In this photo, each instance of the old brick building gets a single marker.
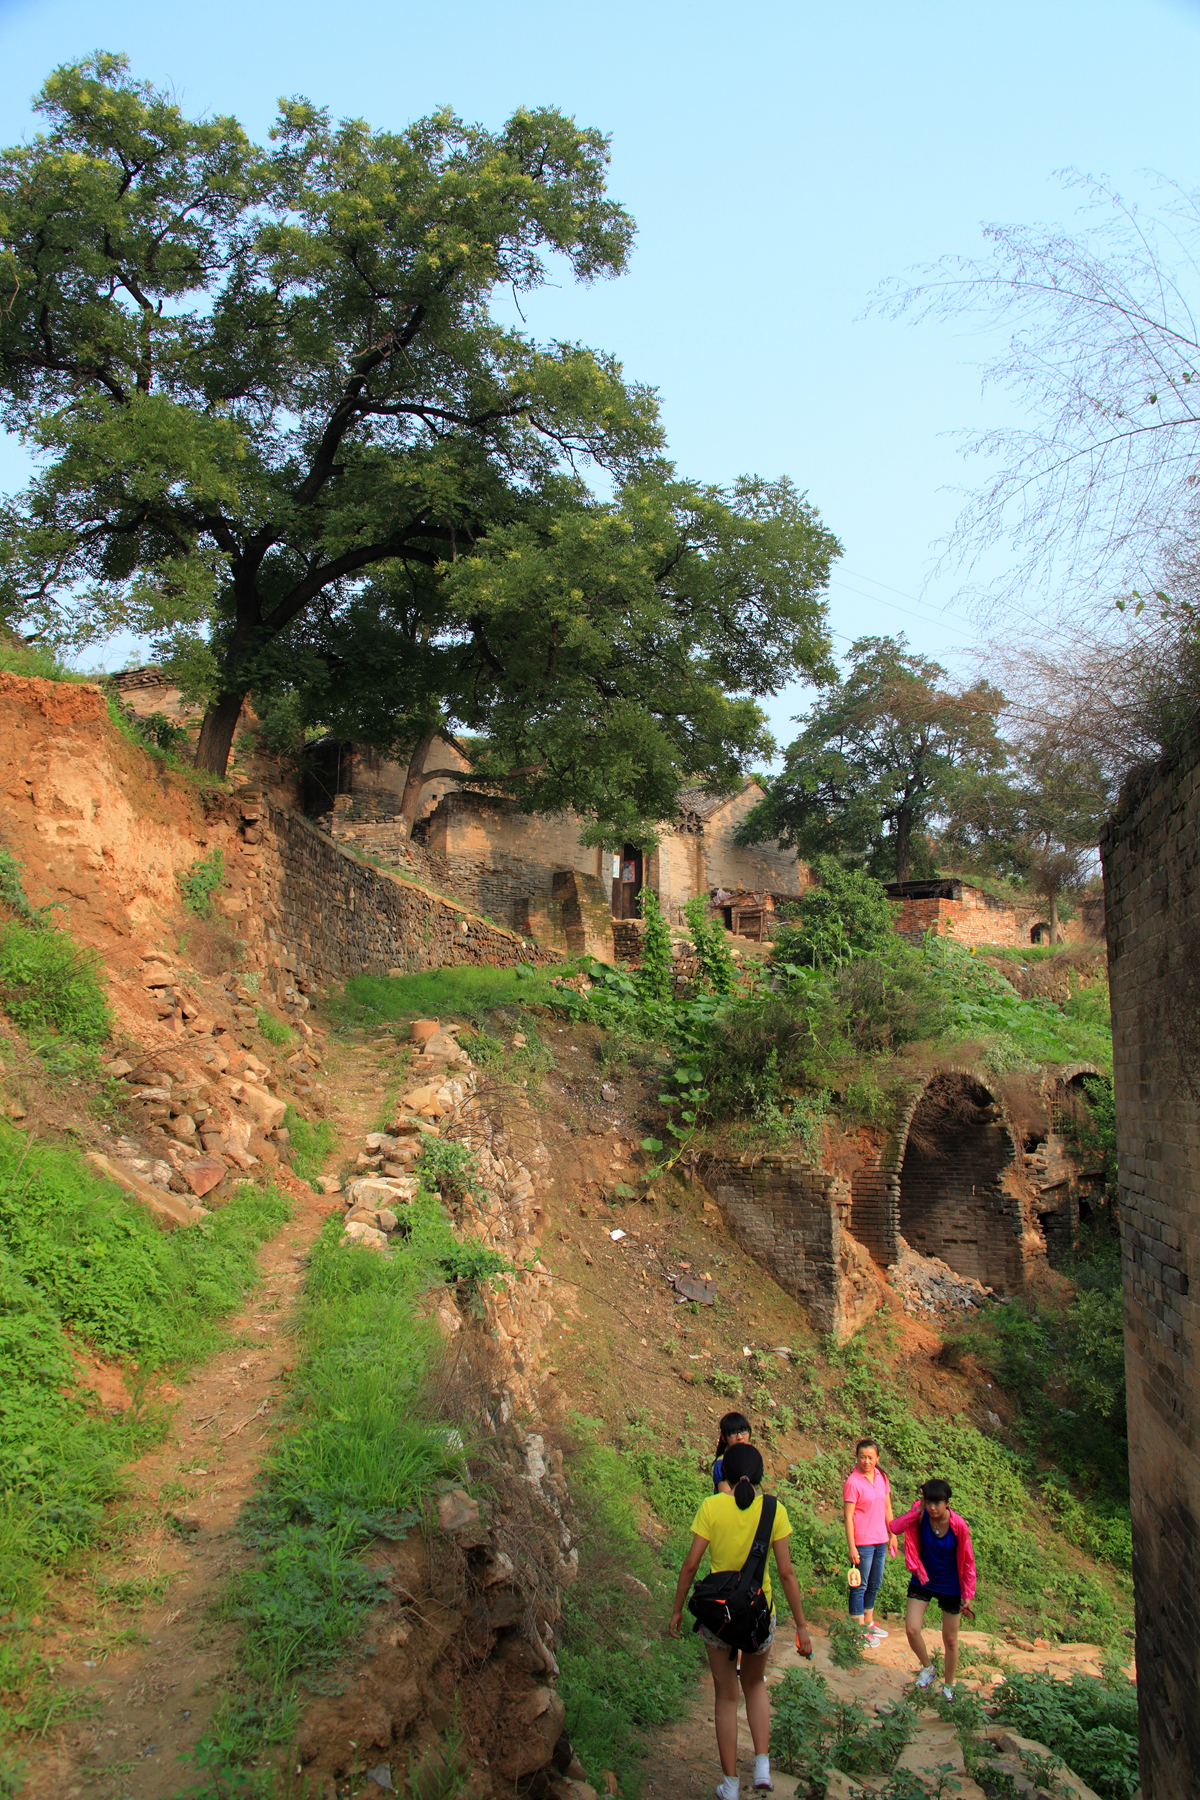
(1151, 860)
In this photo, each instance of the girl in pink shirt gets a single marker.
(867, 1508)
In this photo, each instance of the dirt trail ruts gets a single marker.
(137, 1642)
(683, 1765)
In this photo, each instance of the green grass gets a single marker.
(464, 990)
(621, 1677)
(363, 1455)
(311, 1141)
(17, 658)
(276, 1031)
(198, 883)
(51, 988)
(81, 1263)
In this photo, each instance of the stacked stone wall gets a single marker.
(1151, 856)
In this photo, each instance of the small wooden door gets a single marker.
(627, 882)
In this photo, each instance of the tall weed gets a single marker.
(49, 986)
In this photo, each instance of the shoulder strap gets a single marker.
(755, 1564)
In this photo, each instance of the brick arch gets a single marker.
(978, 1233)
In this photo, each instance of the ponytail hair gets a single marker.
(742, 1468)
(732, 1425)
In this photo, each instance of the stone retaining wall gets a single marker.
(1151, 856)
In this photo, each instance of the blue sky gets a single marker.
(781, 160)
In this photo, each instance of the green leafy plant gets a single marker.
(845, 1642)
(12, 891)
(846, 914)
(716, 966)
(812, 1731)
(447, 1168)
(653, 978)
(1089, 1721)
(198, 883)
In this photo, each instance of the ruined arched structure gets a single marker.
(950, 1180)
(952, 1198)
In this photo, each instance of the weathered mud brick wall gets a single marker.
(344, 917)
(789, 1216)
(1151, 856)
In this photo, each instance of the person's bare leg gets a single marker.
(914, 1619)
(758, 1703)
(725, 1687)
(950, 1644)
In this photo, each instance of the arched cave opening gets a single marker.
(952, 1204)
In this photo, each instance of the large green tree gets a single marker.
(281, 429)
(881, 751)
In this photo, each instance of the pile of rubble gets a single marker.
(208, 1107)
(928, 1285)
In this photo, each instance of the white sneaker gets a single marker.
(877, 1634)
(947, 1692)
(925, 1678)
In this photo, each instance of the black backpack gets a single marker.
(732, 1604)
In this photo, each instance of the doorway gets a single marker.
(627, 882)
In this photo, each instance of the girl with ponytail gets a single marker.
(726, 1526)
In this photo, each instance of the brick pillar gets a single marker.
(1151, 856)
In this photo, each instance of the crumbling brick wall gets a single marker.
(1151, 856)
(789, 1216)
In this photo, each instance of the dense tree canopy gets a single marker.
(282, 431)
(880, 753)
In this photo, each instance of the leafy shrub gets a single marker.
(1089, 1721)
(12, 891)
(197, 885)
(845, 1642)
(17, 658)
(49, 985)
(446, 1167)
(811, 1731)
(848, 914)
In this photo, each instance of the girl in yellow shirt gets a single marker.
(725, 1526)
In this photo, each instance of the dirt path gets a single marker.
(136, 1636)
(683, 1760)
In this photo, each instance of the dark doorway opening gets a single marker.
(951, 1202)
(627, 882)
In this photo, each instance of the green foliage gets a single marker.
(36, 660)
(12, 891)
(446, 1167)
(432, 532)
(811, 1731)
(1090, 1125)
(199, 883)
(881, 752)
(716, 967)
(311, 1141)
(845, 1642)
(49, 986)
(847, 914)
(1090, 1722)
(461, 991)
(80, 1261)
(653, 978)
(276, 1031)
(1066, 1368)
(621, 1677)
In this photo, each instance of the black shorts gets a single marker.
(949, 1603)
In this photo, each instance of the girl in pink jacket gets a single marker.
(941, 1565)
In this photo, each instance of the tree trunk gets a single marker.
(903, 843)
(414, 781)
(1054, 918)
(216, 733)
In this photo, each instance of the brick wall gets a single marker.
(790, 1217)
(312, 911)
(952, 1200)
(966, 921)
(1151, 856)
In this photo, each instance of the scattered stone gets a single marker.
(927, 1284)
(15, 1110)
(421, 1030)
(204, 1175)
(182, 1126)
(359, 1232)
(118, 1067)
(329, 1184)
(608, 1093)
(457, 1511)
(157, 977)
(387, 1220)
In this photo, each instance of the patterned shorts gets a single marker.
(710, 1637)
